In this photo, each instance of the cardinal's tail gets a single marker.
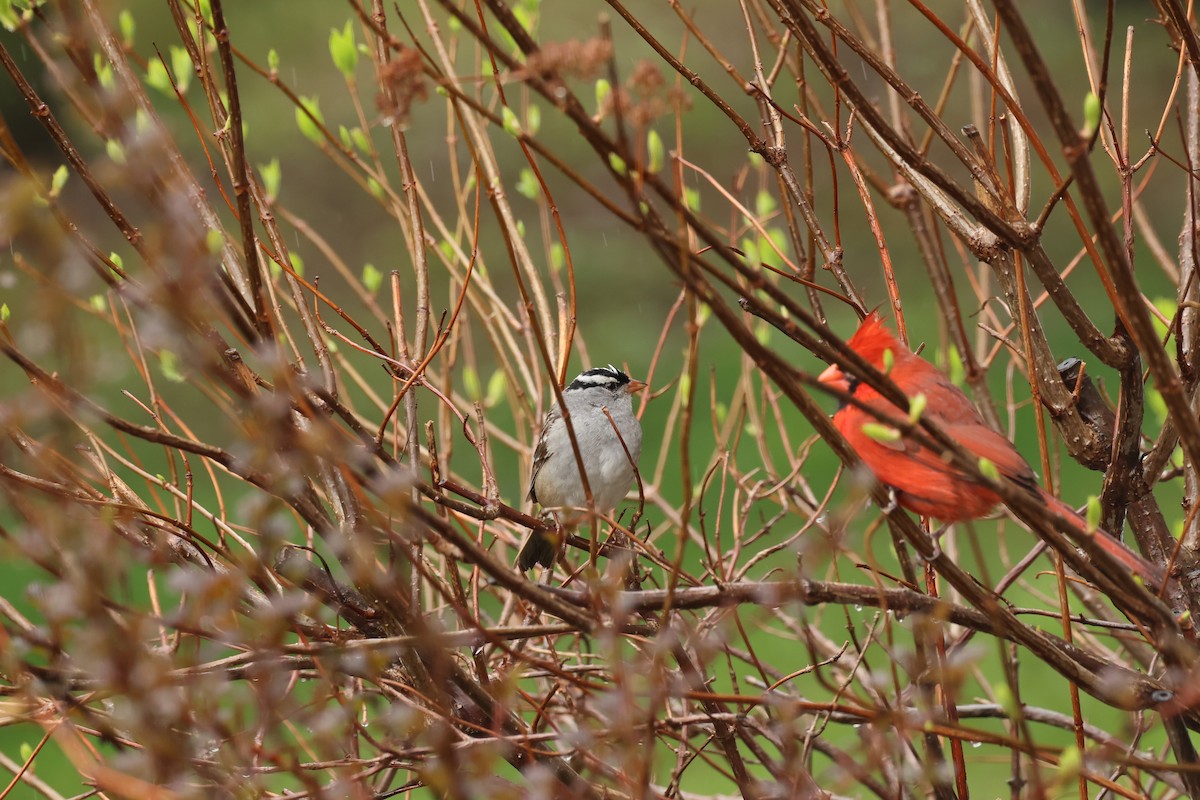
(1151, 574)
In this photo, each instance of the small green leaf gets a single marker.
(558, 257)
(471, 385)
(273, 61)
(889, 361)
(526, 17)
(533, 120)
(1006, 700)
(372, 278)
(104, 71)
(343, 50)
(344, 135)
(764, 204)
(116, 259)
(955, 368)
(881, 433)
(654, 152)
(1070, 763)
(310, 128)
(755, 159)
(157, 77)
(8, 16)
(361, 141)
(691, 199)
(375, 188)
(512, 125)
(271, 174)
(5, 312)
(988, 469)
(750, 248)
(916, 407)
(617, 163)
(297, 264)
(115, 151)
(603, 90)
(26, 751)
(495, 389)
(1091, 113)
(141, 121)
(762, 333)
(1093, 513)
(59, 180)
(168, 364)
(527, 185)
(99, 303)
(127, 25)
(181, 65)
(779, 239)
(214, 241)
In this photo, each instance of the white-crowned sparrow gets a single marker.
(555, 482)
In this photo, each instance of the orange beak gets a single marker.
(834, 378)
(633, 387)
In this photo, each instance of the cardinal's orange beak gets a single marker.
(633, 387)
(834, 378)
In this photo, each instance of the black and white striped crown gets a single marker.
(608, 377)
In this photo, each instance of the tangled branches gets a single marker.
(262, 496)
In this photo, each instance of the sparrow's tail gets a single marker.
(541, 547)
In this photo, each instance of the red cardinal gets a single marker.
(923, 480)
